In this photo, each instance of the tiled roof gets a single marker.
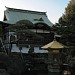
(26, 11)
(13, 15)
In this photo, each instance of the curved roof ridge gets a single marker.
(23, 10)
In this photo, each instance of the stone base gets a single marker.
(53, 68)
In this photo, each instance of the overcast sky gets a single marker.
(54, 8)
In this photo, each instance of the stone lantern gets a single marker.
(54, 54)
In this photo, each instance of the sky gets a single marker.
(54, 8)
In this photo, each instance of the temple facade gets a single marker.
(25, 28)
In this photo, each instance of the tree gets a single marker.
(0, 30)
(22, 29)
(21, 25)
(66, 24)
(16, 65)
(69, 15)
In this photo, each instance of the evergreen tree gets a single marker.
(0, 30)
(66, 24)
